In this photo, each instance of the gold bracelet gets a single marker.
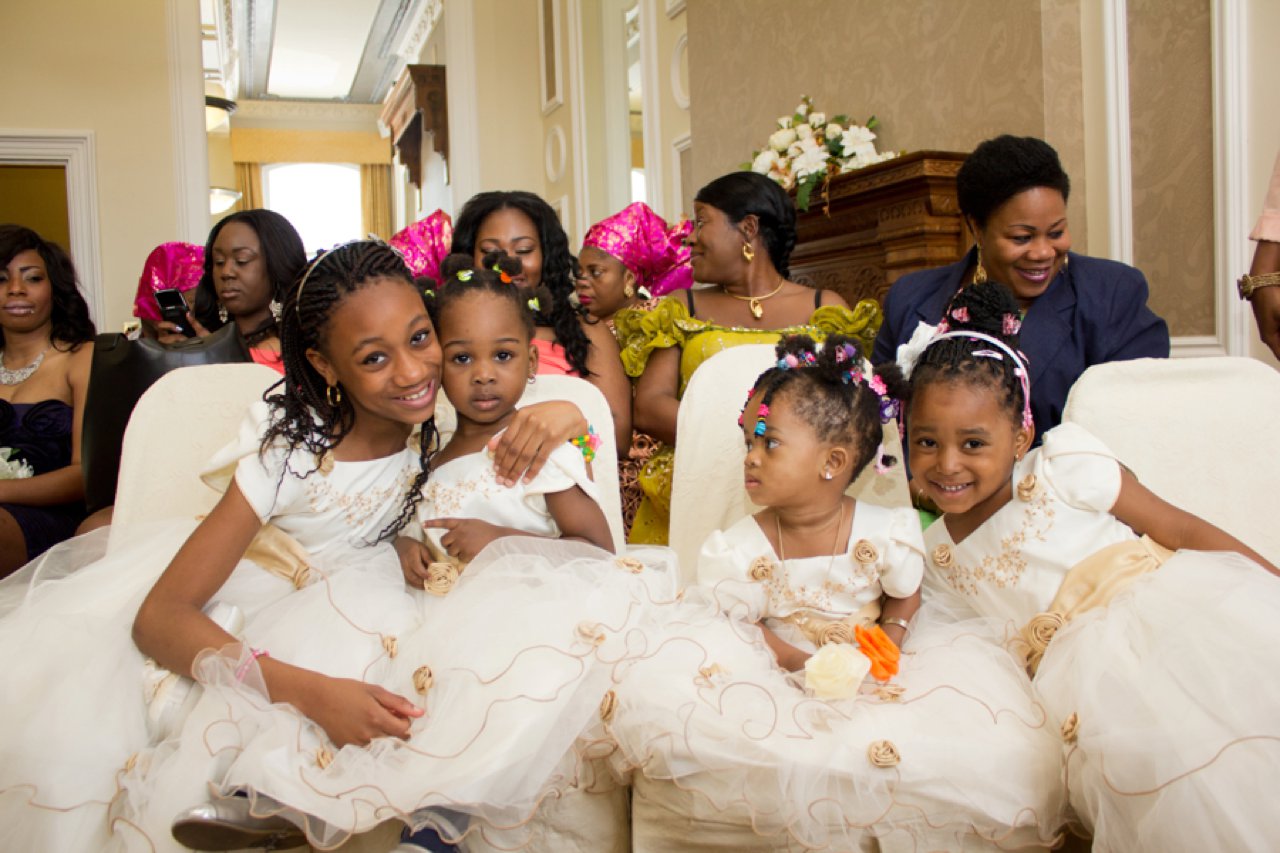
(894, 620)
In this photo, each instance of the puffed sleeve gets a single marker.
(726, 565)
(640, 332)
(260, 476)
(1268, 227)
(1079, 468)
(565, 468)
(1133, 329)
(902, 564)
(861, 322)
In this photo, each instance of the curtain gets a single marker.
(249, 183)
(375, 199)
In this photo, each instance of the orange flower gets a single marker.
(882, 652)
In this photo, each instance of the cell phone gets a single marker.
(173, 308)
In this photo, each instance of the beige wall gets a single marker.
(507, 96)
(673, 119)
(1171, 128)
(103, 67)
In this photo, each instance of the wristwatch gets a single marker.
(1249, 283)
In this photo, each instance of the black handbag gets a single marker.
(122, 370)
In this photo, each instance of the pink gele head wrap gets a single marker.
(425, 244)
(170, 266)
(656, 255)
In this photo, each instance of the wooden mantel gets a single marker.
(418, 104)
(881, 223)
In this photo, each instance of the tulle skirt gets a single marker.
(954, 751)
(511, 666)
(1169, 709)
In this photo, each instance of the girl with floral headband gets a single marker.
(327, 704)
(1140, 670)
(802, 701)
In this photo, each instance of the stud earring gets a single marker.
(532, 379)
(222, 313)
(826, 475)
(748, 253)
(333, 395)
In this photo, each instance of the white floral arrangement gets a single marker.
(808, 149)
(836, 671)
(13, 469)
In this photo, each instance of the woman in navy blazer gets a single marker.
(1077, 311)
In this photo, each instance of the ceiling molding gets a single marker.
(424, 20)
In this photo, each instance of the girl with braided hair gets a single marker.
(1058, 547)
(805, 703)
(318, 671)
(524, 226)
(744, 229)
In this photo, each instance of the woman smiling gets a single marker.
(1077, 311)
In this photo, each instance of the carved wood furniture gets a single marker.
(877, 224)
(418, 104)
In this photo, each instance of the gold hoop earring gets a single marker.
(979, 271)
(748, 252)
(333, 395)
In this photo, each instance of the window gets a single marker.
(322, 200)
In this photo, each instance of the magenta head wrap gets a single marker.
(425, 244)
(170, 266)
(640, 238)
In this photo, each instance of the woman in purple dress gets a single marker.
(45, 354)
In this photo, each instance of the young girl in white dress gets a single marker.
(546, 533)
(1158, 681)
(767, 716)
(337, 707)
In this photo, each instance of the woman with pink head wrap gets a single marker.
(170, 266)
(424, 244)
(633, 255)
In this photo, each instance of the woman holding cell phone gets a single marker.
(250, 259)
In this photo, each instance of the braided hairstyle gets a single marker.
(989, 308)
(460, 277)
(558, 311)
(282, 253)
(828, 389)
(302, 415)
(741, 194)
(69, 319)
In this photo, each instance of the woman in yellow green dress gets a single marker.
(743, 232)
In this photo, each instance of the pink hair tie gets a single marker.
(254, 654)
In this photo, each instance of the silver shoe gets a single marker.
(227, 824)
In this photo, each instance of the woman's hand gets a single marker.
(353, 712)
(535, 431)
(467, 536)
(169, 334)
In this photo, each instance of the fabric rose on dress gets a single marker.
(835, 671)
(883, 753)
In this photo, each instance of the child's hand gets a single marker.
(535, 431)
(466, 537)
(414, 558)
(355, 712)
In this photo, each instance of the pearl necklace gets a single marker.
(16, 377)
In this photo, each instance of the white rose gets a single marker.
(817, 119)
(835, 671)
(785, 121)
(13, 469)
(795, 149)
(833, 131)
(804, 131)
(803, 109)
(781, 139)
(764, 161)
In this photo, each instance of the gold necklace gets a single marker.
(835, 546)
(757, 310)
